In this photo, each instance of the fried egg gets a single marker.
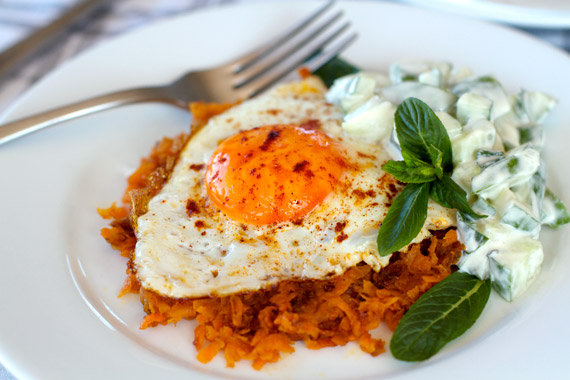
(270, 190)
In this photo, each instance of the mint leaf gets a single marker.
(407, 174)
(405, 218)
(420, 131)
(333, 69)
(437, 159)
(440, 315)
(412, 161)
(449, 194)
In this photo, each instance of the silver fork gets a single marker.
(311, 43)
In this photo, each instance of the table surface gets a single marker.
(20, 18)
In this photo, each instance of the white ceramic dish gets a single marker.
(526, 13)
(60, 317)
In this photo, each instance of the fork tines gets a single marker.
(310, 43)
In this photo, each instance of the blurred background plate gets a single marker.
(525, 13)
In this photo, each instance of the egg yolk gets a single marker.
(273, 173)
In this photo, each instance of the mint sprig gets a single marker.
(422, 135)
(426, 168)
(440, 315)
(410, 174)
(405, 217)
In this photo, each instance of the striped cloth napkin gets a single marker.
(18, 18)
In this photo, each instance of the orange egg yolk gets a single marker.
(273, 173)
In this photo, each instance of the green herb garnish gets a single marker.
(333, 69)
(405, 217)
(426, 169)
(422, 136)
(440, 315)
(449, 194)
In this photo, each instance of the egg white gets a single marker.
(205, 253)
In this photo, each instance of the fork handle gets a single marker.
(27, 125)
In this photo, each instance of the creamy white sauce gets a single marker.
(496, 141)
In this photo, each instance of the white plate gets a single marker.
(527, 13)
(60, 317)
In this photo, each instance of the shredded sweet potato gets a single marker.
(259, 326)
(202, 112)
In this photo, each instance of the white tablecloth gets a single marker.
(17, 18)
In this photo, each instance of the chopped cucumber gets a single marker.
(476, 136)
(534, 105)
(517, 166)
(489, 88)
(435, 97)
(463, 172)
(472, 106)
(372, 121)
(452, 126)
(531, 193)
(459, 75)
(351, 91)
(393, 145)
(508, 128)
(433, 78)
(532, 134)
(339, 89)
(515, 213)
(510, 258)
(485, 158)
(476, 262)
(519, 217)
(407, 71)
(434, 74)
(555, 213)
(358, 91)
(513, 268)
(481, 206)
(468, 234)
